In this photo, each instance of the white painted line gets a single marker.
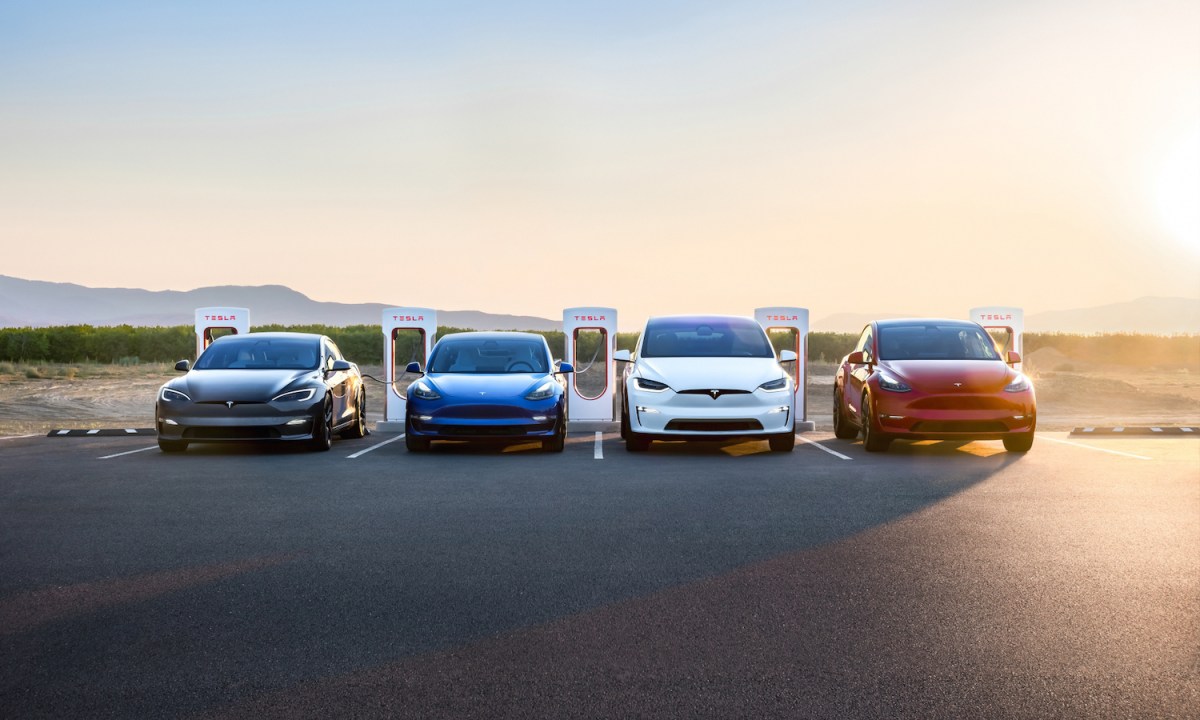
(16, 437)
(834, 453)
(1089, 429)
(93, 432)
(1186, 429)
(63, 432)
(1093, 447)
(1119, 429)
(1154, 429)
(598, 453)
(375, 447)
(129, 452)
(131, 431)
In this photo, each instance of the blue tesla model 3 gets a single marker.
(488, 385)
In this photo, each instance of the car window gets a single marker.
(246, 352)
(490, 356)
(864, 340)
(705, 337)
(932, 341)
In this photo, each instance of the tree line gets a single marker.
(364, 344)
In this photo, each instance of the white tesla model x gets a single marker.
(705, 377)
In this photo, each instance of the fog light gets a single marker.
(781, 408)
(169, 421)
(423, 418)
(539, 418)
(297, 421)
(1018, 417)
(644, 409)
(894, 417)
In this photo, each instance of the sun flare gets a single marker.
(1178, 192)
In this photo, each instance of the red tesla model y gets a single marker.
(932, 379)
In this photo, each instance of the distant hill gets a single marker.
(1152, 315)
(36, 303)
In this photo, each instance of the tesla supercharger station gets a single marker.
(235, 320)
(591, 338)
(1006, 325)
(795, 319)
(398, 320)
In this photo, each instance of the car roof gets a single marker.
(925, 321)
(492, 335)
(274, 336)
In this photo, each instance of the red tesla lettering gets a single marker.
(592, 318)
(409, 318)
(221, 317)
(783, 317)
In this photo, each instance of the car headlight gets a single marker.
(651, 385)
(1019, 384)
(169, 395)
(776, 385)
(891, 384)
(420, 389)
(543, 391)
(295, 395)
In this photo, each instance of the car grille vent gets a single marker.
(959, 426)
(714, 426)
(231, 433)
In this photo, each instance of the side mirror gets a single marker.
(855, 358)
(341, 366)
(788, 356)
(183, 366)
(564, 368)
(623, 356)
(413, 367)
(1014, 357)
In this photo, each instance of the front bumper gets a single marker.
(955, 417)
(688, 416)
(443, 421)
(216, 422)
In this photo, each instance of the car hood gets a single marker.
(940, 375)
(239, 385)
(484, 387)
(720, 373)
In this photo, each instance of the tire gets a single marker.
(558, 441)
(843, 429)
(873, 440)
(625, 422)
(411, 443)
(1019, 443)
(322, 438)
(783, 442)
(359, 428)
(172, 446)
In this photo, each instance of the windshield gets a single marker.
(490, 356)
(935, 342)
(705, 337)
(250, 353)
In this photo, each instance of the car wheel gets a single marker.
(322, 437)
(624, 421)
(843, 429)
(783, 442)
(873, 440)
(637, 442)
(359, 428)
(172, 446)
(411, 442)
(1020, 443)
(558, 441)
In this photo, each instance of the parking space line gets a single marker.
(375, 447)
(598, 453)
(834, 453)
(1097, 449)
(16, 437)
(128, 452)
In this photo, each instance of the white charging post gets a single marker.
(397, 320)
(591, 339)
(209, 319)
(1006, 325)
(796, 319)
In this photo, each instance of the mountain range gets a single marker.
(38, 303)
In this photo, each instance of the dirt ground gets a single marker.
(38, 398)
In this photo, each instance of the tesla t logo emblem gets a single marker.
(957, 384)
(229, 404)
(483, 393)
(715, 394)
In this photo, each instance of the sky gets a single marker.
(854, 157)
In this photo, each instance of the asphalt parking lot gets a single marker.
(941, 580)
